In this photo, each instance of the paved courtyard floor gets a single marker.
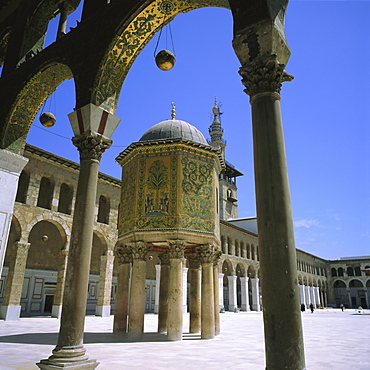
(333, 340)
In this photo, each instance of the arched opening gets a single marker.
(240, 272)
(46, 191)
(237, 248)
(227, 271)
(104, 209)
(340, 294)
(223, 244)
(229, 246)
(14, 236)
(242, 249)
(333, 272)
(248, 251)
(357, 293)
(350, 271)
(357, 271)
(340, 271)
(253, 255)
(24, 181)
(65, 198)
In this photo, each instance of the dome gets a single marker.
(174, 129)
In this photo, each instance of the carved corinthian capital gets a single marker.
(176, 248)
(123, 254)
(91, 145)
(165, 258)
(139, 250)
(194, 261)
(263, 74)
(216, 257)
(205, 252)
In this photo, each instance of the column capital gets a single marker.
(91, 145)
(176, 248)
(216, 257)
(205, 252)
(165, 258)
(194, 260)
(123, 254)
(139, 250)
(263, 75)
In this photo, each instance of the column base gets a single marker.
(256, 307)
(10, 313)
(68, 358)
(56, 311)
(245, 308)
(102, 311)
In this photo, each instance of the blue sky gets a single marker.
(326, 113)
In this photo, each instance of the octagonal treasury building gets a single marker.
(169, 207)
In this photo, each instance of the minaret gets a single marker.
(216, 131)
(227, 177)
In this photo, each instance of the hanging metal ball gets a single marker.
(48, 119)
(165, 60)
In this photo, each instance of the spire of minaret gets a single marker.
(216, 131)
(173, 111)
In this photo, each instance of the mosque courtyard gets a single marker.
(333, 340)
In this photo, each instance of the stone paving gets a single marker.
(333, 340)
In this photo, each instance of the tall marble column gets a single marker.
(216, 291)
(59, 291)
(245, 294)
(70, 350)
(205, 252)
(195, 293)
(137, 292)
(307, 295)
(124, 257)
(263, 52)
(255, 294)
(105, 284)
(176, 249)
(163, 292)
(302, 294)
(11, 166)
(157, 287)
(11, 307)
(221, 291)
(232, 293)
(184, 289)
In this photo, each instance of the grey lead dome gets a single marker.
(174, 129)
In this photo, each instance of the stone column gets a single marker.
(176, 251)
(312, 295)
(11, 307)
(322, 297)
(64, 10)
(221, 290)
(11, 166)
(157, 287)
(216, 291)
(195, 293)
(302, 295)
(105, 284)
(263, 52)
(245, 293)
(124, 257)
(232, 293)
(184, 289)
(58, 300)
(317, 296)
(205, 252)
(163, 292)
(70, 350)
(255, 294)
(137, 292)
(307, 296)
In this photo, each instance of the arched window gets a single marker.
(357, 271)
(257, 254)
(229, 247)
(350, 271)
(46, 191)
(237, 252)
(252, 252)
(65, 199)
(340, 272)
(104, 209)
(242, 249)
(333, 272)
(24, 181)
(248, 251)
(223, 244)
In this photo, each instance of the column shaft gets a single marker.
(163, 293)
(59, 291)
(232, 293)
(195, 295)
(216, 291)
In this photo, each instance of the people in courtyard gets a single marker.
(311, 307)
(342, 307)
(303, 307)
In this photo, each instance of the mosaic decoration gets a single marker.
(157, 201)
(133, 39)
(128, 191)
(29, 102)
(197, 195)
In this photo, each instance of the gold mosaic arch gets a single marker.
(133, 39)
(28, 103)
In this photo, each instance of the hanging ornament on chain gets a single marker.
(48, 119)
(165, 59)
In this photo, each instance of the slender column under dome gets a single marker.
(137, 292)
(205, 252)
(124, 257)
(216, 291)
(163, 292)
(195, 293)
(176, 250)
